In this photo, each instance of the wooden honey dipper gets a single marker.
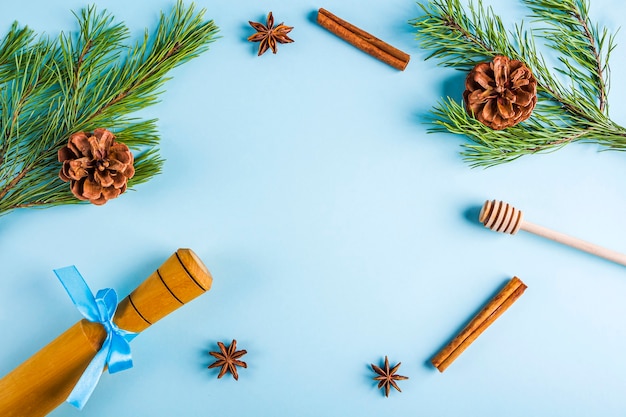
(44, 381)
(502, 217)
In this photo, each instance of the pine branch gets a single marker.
(79, 82)
(569, 30)
(461, 37)
(16, 39)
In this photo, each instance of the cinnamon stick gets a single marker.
(363, 40)
(494, 309)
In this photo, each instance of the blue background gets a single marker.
(337, 232)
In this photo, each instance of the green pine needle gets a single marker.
(572, 98)
(51, 88)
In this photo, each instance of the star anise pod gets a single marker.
(268, 35)
(228, 359)
(387, 377)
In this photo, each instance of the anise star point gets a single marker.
(268, 34)
(228, 359)
(387, 376)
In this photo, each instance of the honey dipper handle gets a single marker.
(574, 242)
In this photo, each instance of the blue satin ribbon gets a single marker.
(115, 351)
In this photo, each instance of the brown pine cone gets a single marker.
(96, 166)
(501, 93)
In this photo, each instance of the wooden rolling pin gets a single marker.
(45, 380)
(502, 217)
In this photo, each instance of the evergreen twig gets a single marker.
(50, 89)
(577, 111)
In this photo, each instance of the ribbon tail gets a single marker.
(89, 379)
(79, 292)
(119, 358)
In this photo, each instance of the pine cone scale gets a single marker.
(484, 81)
(524, 99)
(119, 181)
(77, 189)
(111, 192)
(103, 178)
(78, 145)
(116, 165)
(519, 78)
(91, 189)
(505, 108)
(76, 170)
(489, 111)
(118, 153)
(478, 98)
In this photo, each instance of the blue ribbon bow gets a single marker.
(115, 351)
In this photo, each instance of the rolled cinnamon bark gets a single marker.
(494, 309)
(363, 40)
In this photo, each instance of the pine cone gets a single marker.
(501, 93)
(96, 166)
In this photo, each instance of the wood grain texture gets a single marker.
(179, 280)
(44, 381)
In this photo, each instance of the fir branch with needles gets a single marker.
(572, 96)
(51, 88)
